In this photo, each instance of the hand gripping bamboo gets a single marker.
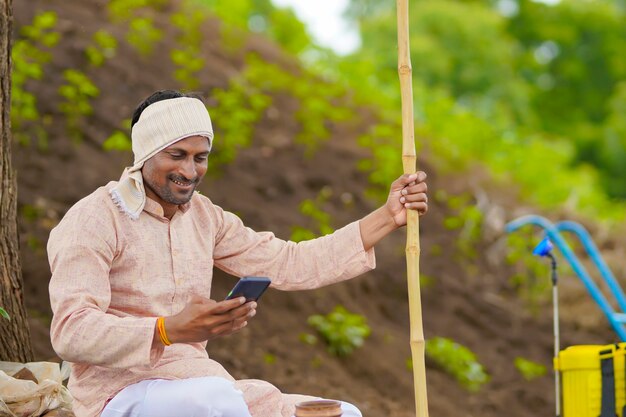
(412, 241)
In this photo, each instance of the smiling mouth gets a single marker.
(183, 184)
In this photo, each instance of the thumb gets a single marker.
(403, 181)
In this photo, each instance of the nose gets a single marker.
(188, 169)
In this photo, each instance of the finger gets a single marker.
(227, 328)
(417, 177)
(244, 309)
(414, 198)
(232, 327)
(238, 323)
(239, 327)
(227, 305)
(422, 187)
(421, 207)
(403, 181)
(240, 312)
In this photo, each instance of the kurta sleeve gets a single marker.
(241, 251)
(81, 250)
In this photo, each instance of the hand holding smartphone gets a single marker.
(250, 287)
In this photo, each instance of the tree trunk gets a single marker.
(14, 333)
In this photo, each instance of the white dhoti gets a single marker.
(193, 397)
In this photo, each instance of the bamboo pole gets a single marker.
(412, 242)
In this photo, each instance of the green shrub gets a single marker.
(187, 57)
(531, 278)
(35, 244)
(458, 361)
(103, 47)
(321, 219)
(251, 92)
(342, 330)
(307, 338)
(77, 93)
(466, 218)
(385, 164)
(319, 101)
(31, 213)
(142, 33)
(124, 10)
(118, 141)
(512, 154)
(259, 16)
(239, 107)
(29, 55)
(529, 369)
(269, 358)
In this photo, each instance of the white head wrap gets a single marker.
(160, 125)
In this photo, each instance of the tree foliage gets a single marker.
(529, 90)
(261, 16)
(574, 60)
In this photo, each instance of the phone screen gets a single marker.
(250, 287)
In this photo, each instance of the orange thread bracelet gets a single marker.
(161, 329)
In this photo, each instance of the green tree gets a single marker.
(473, 59)
(612, 153)
(261, 16)
(529, 72)
(14, 334)
(574, 59)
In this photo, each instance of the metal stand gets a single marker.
(544, 249)
(557, 341)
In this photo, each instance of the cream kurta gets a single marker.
(113, 276)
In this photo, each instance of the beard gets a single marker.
(167, 191)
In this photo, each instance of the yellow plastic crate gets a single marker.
(581, 379)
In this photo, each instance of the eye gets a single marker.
(201, 158)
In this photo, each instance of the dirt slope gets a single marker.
(471, 302)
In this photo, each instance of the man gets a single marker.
(131, 277)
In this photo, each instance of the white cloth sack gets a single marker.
(23, 398)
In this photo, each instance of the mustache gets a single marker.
(184, 180)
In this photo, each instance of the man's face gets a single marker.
(171, 176)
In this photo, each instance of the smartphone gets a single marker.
(250, 287)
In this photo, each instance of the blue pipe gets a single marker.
(596, 257)
(554, 234)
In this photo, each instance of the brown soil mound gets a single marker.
(471, 302)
